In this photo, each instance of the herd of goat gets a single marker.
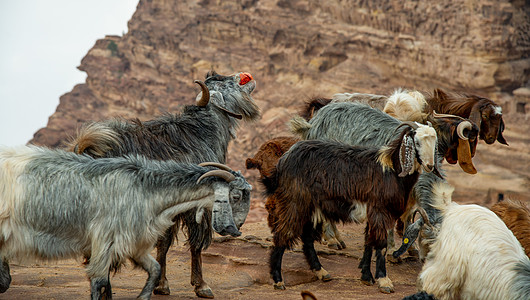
(123, 187)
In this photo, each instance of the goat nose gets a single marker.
(428, 168)
(231, 230)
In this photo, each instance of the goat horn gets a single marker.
(229, 177)
(217, 165)
(437, 115)
(424, 216)
(409, 123)
(205, 94)
(461, 127)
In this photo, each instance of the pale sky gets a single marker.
(41, 46)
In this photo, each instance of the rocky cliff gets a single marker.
(296, 49)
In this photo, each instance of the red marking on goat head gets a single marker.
(245, 78)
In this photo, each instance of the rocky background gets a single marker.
(299, 49)
(296, 50)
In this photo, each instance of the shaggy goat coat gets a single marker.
(475, 256)
(58, 205)
(198, 134)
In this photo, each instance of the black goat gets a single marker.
(317, 180)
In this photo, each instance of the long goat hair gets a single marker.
(59, 205)
(317, 180)
(201, 132)
(516, 215)
(265, 161)
(475, 256)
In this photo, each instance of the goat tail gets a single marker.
(94, 139)
(521, 284)
(299, 126)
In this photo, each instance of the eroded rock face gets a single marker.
(295, 50)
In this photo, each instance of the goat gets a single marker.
(359, 124)
(318, 180)
(516, 215)
(312, 106)
(265, 161)
(474, 256)
(200, 133)
(58, 205)
(482, 111)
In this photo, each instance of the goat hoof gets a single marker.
(386, 289)
(334, 246)
(279, 285)
(367, 279)
(343, 244)
(322, 274)
(204, 293)
(385, 285)
(161, 290)
(367, 282)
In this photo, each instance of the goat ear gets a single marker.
(464, 157)
(439, 94)
(251, 163)
(407, 154)
(500, 138)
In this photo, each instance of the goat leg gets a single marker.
(311, 255)
(385, 284)
(275, 263)
(5, 277)
(151, 266)
(100, 288)
(366, 260)
(201, 287)
(162, 247)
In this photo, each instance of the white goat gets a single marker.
(406, 106)
(58, 205)
(474, 256)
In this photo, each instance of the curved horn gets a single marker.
(461, 127)
(424, 216)
(205, 94)
(437, 115)
(217, 165)
(229, 177)
(409, 123)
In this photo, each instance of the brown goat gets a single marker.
(516, 215)
(269, 153)
(265, 161)
(482, 111)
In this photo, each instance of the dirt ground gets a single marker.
(235, 268)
